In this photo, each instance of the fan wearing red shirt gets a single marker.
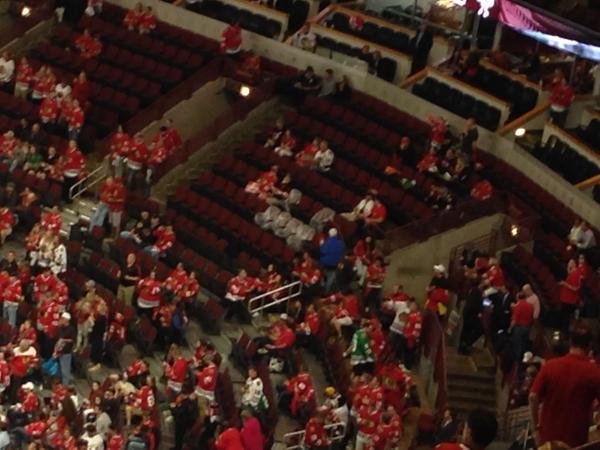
(136, 158)
(249, 70)
(429, 161)
(144, 401)
(282, 337)
(565, 390)
(368, 420)
(239, 289)
(494, 275)
(149, 292)
(147, 21)
(378, 213)
(13, 296)
(8, 144)
(231, 39)
(176, 371)
(521, 322)
(206, 381)
(478, 433)
(23, 78)
(569, 295)
(158, 155)
(315, 435)
(81, 90)
(165, 238)
(115, 440)
(561, 97)
(133, 17)
(119, 149)
(73, 165)
(375, 277)
(176, 281)
(49, 109)
(112, 203)
(388, 433)
(190, 289)
(307, 332)
(7, 221)
(52, 221)
(482, 190)
(75, 120)
(171, 137)
(297, 392)
(89, 46)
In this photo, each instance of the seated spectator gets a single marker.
(239, 289)
(231, 39)
(89, 46)
(133, 18)
(297, 394)
(275, 134)
(366, 55)
(43, 83)
(287, 144)
(23, 78)
(429, 162)
(147, 21)
(323, 158)
(305, 39)
(561, 97)
(249, 70)
(468, 138)
(165, 238)
(587, 239)
(328, 84)
(369, 210)
(307, 82)
(305, 157)
(253, 395)
(81, 89)
(315, 434)
(7, 68)
(7, 222)
(374, 61)
(343, 90)
(264, 185)
(482, 190)
(49, 110)
(439, 198)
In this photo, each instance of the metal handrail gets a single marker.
(80, 183)
(275, 301)
(300, 435)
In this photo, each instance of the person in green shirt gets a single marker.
(360, 350)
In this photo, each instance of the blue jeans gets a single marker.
(99, 216)
(9, 313)
(330, 279)
(64, 362)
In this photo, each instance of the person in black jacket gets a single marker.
(420, 46)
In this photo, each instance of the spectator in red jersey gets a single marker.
(137, 156)
(73, 166)
(287, 144)
(249, 70)
(75, 120)
(315, 435)
(81, 89)
(112, 203)
(229, 439)
(157, 155)
(147, 21)
(134, 16)
(49, 110)
(89, 46)
(149, 294)
(23, 78)
(297, 394)
(239, 289)
(569, 294)
(252, 434)
(482, 190)
(566, 388)
(561, 97)
(119, 149)
(478, 433)
(231, 39)
(42, 84)
(171, 136)
(165, 238)
(520, 326)
(7, 222)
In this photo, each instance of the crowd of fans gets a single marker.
(51, 326)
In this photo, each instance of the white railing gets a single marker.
(92, 179)
(514, 423)
(267, 300)
(335, 431)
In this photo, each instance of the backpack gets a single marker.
(136, 443)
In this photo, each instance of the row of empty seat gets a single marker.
(591, 134)
(566, 161)
(521, 97)
(458, 102)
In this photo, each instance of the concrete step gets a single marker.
(480, 387)
(462, 408)
(482, 400)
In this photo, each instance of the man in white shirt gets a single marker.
(93, 439)
(362, 209)
(7, 68)
(323, 159)
(304, 39)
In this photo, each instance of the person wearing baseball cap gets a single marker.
(63, 350)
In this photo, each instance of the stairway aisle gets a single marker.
(471, 381)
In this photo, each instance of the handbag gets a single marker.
(50, 367)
